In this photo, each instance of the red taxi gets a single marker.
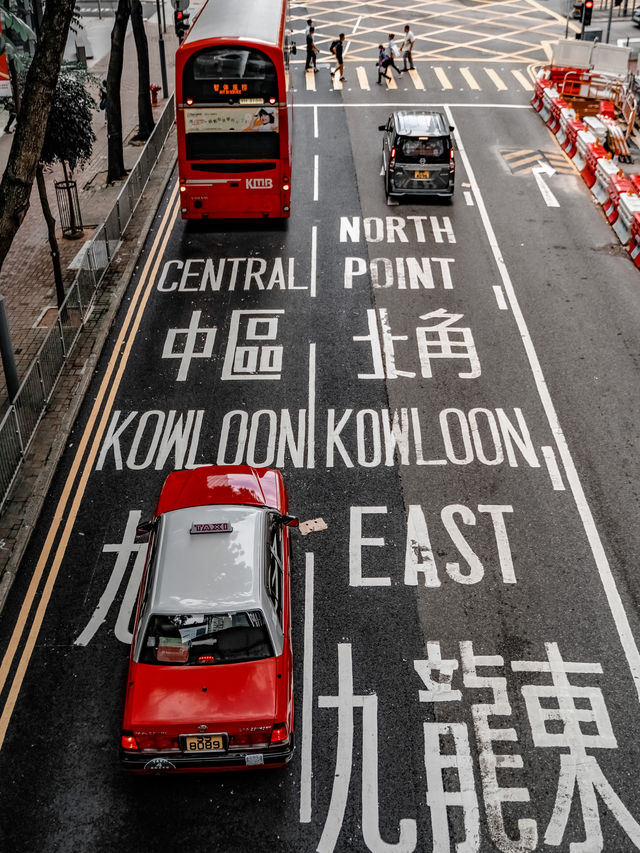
(210, 684)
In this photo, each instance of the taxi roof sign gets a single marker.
(211, 527)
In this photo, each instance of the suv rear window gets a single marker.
(198, 639)
(411, 149)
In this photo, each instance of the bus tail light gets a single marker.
(285, 184)
(189, 101)
(182, 188)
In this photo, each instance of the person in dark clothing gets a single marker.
(312, 50)
(337, 48)
(382, 65)
(11, 107)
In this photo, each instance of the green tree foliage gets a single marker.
(69, 136)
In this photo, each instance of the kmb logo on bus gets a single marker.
(259, 183)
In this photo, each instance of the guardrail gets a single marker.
(20, 422)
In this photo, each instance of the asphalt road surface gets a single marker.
(452, 389)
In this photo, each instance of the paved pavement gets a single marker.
(27, 283)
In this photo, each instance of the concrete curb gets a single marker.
(107, 305)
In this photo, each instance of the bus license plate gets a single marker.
(203, 743)
(421, 176)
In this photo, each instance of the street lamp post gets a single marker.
(163, 61)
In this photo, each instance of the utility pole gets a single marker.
(163, 61)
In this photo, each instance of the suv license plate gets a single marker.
(421, 176)
(203, 743)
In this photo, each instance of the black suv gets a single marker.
(417, 154)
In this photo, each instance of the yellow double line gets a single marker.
(76, 482)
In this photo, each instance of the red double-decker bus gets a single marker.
(234, 111)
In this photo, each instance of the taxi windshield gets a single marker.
(205, 639)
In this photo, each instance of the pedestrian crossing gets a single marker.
(428, 78)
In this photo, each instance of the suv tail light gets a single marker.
(279, 733)
(452, 161)
(392, 160)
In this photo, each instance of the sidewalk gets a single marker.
(27, 283)
(26, 280)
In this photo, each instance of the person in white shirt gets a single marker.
(392, 51)
(407, 47)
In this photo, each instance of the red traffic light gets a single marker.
(588, 4)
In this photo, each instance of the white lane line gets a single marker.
(496, 80)
(353, 31)
(526, 84)
(306, 766)
(442, 77)
(552, 467)
(312, 274)
(499, 294)
(471, 80)
(362, 78)
(391, 83)
(315, 122)
(616, 607)
(468, 197)
(416, 79)
(311, 408)
(315, 177)
(310, 80)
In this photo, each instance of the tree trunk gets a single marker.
(145, 113)
(115, 168)
(51, 230)
(39, 90)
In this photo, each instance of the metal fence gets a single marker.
(21, 420)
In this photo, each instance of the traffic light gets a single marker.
(181, 23)
(587, 9)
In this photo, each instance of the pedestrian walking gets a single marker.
(102, 95)
(312, 51)
(11, 107)
(308, 27)
(382, 64)
(407, 47)
(392, 51)
(337, 48)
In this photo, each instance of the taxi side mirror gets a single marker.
(289, 521)
(382, 127)
(294, 48)
(451, 128)
(144, 529)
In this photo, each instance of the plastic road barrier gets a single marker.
(634, 244)
(595, 152)
(618, 185)
(557, 106)
(566, 114)
(542, 83)
(629, 204)
(605, 170)
(596, 127)
(574, 126)
(585, 138)
(547, 98)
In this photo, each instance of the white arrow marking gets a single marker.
(547, 195)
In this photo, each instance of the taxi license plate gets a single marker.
(203, 743)
(421, 176)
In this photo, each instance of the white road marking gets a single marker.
(416, 79)
(314, 252)
(526, 84)
(311, 408)
(552, 467)
(315, 122)
(442, 77)
(310, 80)
(315, 176)
(547, 195)
(471, 80)
(306, 754)
(496, 80)
(616, 607)
(468, 197)
(499, 294)
(391, 83)
(362, 78)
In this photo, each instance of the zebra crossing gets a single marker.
(431, 78)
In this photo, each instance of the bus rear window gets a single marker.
(225, 73)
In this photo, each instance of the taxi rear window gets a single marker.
(411, 149)
(206, 639)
